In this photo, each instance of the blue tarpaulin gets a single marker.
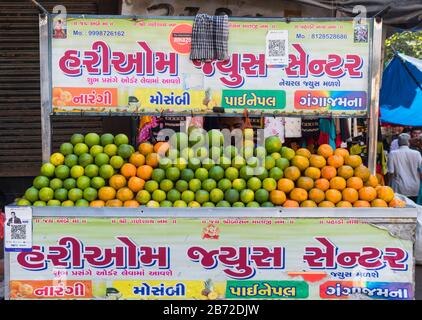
(401, 96)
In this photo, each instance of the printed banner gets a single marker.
(220, 258)
(142, 66)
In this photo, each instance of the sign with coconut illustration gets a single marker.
(142, 66)
(218, 258)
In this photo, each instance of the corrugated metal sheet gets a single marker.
(20, 123)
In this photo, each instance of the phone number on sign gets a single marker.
(328, 36)
(106, 33)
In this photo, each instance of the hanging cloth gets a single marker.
(327, 132)
(210, 36)
(310, 127)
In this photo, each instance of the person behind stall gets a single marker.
(404, 167)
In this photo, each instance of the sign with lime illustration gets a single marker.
(103, 65)
(210, 258)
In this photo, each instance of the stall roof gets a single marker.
(401, 94)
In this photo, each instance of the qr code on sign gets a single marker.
(276, 48)
(18, 232)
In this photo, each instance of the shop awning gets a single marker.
(401, 94)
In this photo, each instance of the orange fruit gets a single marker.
(333, 195)
(322, 184)
(135, 184)
(285, 185)
(97, 203)
(117, 181)
(316, 195)
(57, 92)
(335, 161)
(300, 162)
(341, 152)
(106, 193)
(351, 195)
(292, 173)
(303, 152)
(372, 181)
(131, 204)
(298, 194)
(362, 172)
(137, 159)
(317, 161)
(291, 204)
(114, 203)
(128, 170)
(345, 171)
(328, 172)
(277, 197)
(144, 172)
(380, 179)
(367, 193)
(305, 183)
(308, 203)
(397, 203)
(362, 204)
(152, 160)
(385, 193)
(355, 183)
(379, 203)
(161, 147)
(313, 173)
(344, 204)
(338, 183)
(353, 161)
(124, 194)
(326, 204)
(146, 148)
(325, 150)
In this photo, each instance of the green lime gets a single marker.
(187, 174)
(31, 194)
(261, 195)
(77, 171)
(254, 183)
(158, 195)
(124, 151)
(238, 162)
(23, 202)
(201, 174)
(173, 154)
(166, 203)
(143, 197)
(47, 169)
(269, 162)
(46, 194)
(110, 150)
(116, 162)
(215, 153)
(197, 136)
(71, 160)
(261, 173)
(180, 203)
(246, 172)
(91, 170)
(267, 204)
(209, 184)
(90, 194)
(92, 139)
(216, 195)
(41, 182)
(151, 186)
(57, 158)
(231, 195)
(62, 171)
(66, 148)
(152, 204)
(180, 163)
(164, 163)
(276, 173)
(172, 173)
(85, 159)
(224, 184)
(166, 185)
(106, 138)
(216, 173)
(188, 196)
(195, 185)
(248, 152)
(215, 138)
(61, 194)
(83, 182)
(194, 204)
(173, 195)
(75, 194)
(253, 204)
(56, 183)
(182, 185)
(121, 139)
(96, 150)
(81, 203)
(225, 162)
(208, 163)
(77, 138)
(239, 184)
(179, 140)
(238, 204)
(202, 196)
(260, 152)
(158, 174)
(80, 148)
(269, 184)
(276, 155)
(54, 203)
(68, 203)
(208, 205)
(69, 183)
(287, 153)
(106, 171)
(253, 162)
(97, 182)
(194, 163)
(39, 203)
(223, 204)
(247, 196)
(201, 153)
(231, 173)
(230, 152)
(187, 153)
(273, 144)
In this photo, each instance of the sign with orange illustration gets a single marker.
(54, 289)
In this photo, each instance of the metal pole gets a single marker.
(45, 88)
(376, 69)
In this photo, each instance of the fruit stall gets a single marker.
(193, 216)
